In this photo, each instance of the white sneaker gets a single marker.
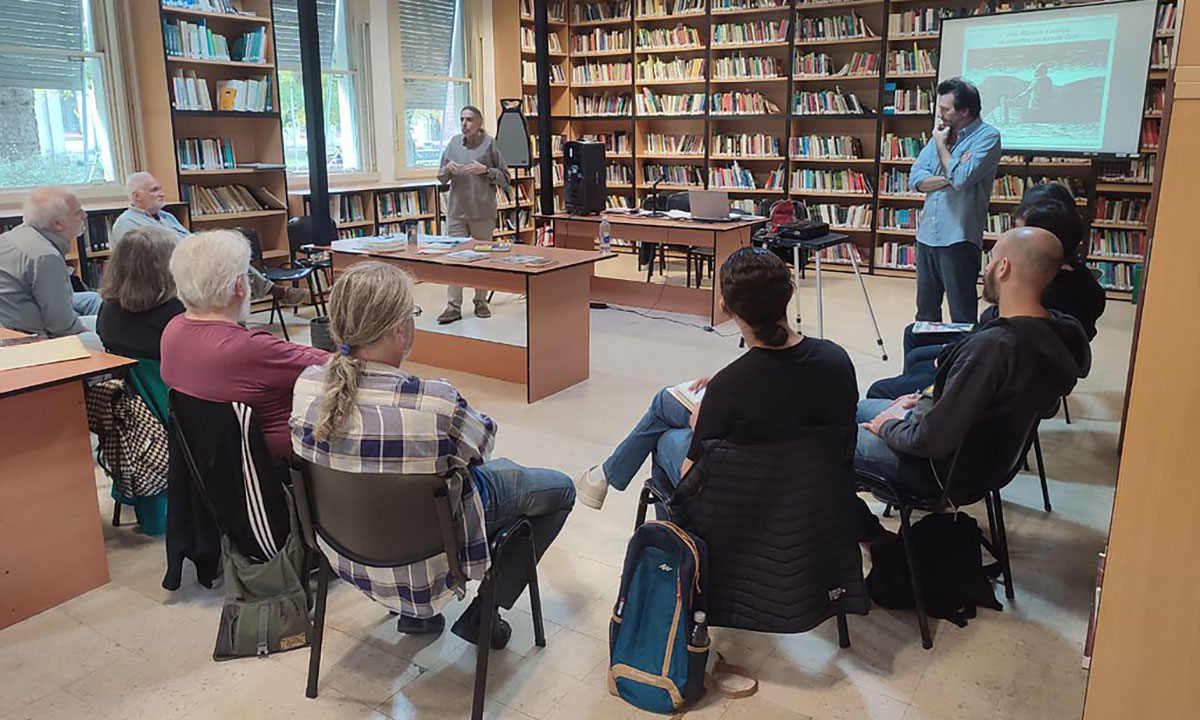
(591, 487)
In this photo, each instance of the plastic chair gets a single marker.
(391, 521)
(287, 272)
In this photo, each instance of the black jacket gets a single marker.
(1074, 292)
(780, 528)
(1009, 367)
(135, 335)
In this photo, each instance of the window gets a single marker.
(434, 79)
(57, 81)
(344, 141)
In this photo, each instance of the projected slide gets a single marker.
(1065, 80)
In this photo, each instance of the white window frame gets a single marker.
(108, 48)
(359, 57)
(473, 51)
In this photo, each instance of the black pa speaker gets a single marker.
(584, 167)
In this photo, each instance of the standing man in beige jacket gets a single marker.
(473, 167)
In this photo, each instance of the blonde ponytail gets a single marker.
(368, 301)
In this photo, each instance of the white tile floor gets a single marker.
(132, 649)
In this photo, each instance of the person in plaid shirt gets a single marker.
(359, 412)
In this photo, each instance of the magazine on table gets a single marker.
(925, 327)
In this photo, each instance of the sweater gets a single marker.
(135, 335)
(472, 197)
(35, 284)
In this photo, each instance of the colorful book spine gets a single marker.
(825, 146)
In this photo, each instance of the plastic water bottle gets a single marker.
(700, 630)
(605, 237)
(412, 234)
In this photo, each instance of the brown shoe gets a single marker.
(294, 296)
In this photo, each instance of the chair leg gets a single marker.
(843, 631)
(277, 308)
(645, 500)
(1002, 546)
(650, 263)
(688, 281)
(116, 513)
(991, 513)
(535, 594)
(318, 631)
(1066, 411)
(918, 599)
(887, 510)
(483, 645)
(1037, 454)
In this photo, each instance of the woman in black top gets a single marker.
(783, 383)
(138, 293)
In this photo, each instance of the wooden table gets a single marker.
(580, 232)
(556, 354)
(51, 544)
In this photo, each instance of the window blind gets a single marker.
(43, 24)
(431, 43)
(287, 33)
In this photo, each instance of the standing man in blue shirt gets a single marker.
(955, 170)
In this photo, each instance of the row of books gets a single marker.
(195, 40)
(747, 205)
(228, 7)
(556, 172)
(898, 147)
(831, 181)
(1122, 210)
(1114, 275)
(1165, 20)
(750, 33)
(250, 95)
(743, 103)
(841, 254)
(425, 227)
(556, 11)
(513, 194)
(600, 40)
(1156, 99)
(911, 101)
(654, 68)
(1074, 184)
(860, 63)
(680, 36)
(998, 223)
(663, 8)
(1010, 187)
(595, 72)
(673, 174)
(739, 65)
(856, 217)
(824, 146)
(690, 144)
(908, 62)
(556, 143)
(737, 177)
(897, 256)
(398, 204)
(1138, 170)
(915, 22)
(895, 182)
(1118, 243)
(616, 174)
(529, 40)
(833, 27)
(604, 104)
(591, 11)
(529, 106)
(615, 143)
(727, 5)
(828, 102)
(1150, 129)
(347, 208)
(516, 219)
(205, 154)
(205, 200)
(616, 202)
(748, 144)
(899, 218)
(529, 72)
(1160, 54)
(350, 233)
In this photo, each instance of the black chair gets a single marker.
(780, 528)
(986, 460)
(286, 272)
(310, 248)
(391, 521)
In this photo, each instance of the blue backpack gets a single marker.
(653, 663)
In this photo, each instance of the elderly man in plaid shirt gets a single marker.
(361, 413)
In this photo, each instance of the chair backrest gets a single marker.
(781, 530)
(256, 251)
(679, 201)
(228, 461)
(376, 519)
(988, 458)
(146, 380)
(303, 231)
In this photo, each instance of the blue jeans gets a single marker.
(871, 453)
(510, 491)
(918, 374)
(85, 303)
(664, 432)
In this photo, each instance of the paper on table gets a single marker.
(682, 392)
(42, 352)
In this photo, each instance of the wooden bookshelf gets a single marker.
(377, 208)
(256, 137)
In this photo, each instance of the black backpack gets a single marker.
(949, 556)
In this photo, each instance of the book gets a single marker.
(42, 352)
(468, 255)
(689, 398)
(925, 327)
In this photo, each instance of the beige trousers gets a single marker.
(478, 230)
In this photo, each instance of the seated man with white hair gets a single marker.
(35, 283)
(208, 355)
(146, 203)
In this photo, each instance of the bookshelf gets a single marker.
(377, 208)
(840, 95)
(224, 160)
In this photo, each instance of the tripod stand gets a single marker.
(815, 246)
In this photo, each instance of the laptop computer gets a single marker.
(709, 205)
